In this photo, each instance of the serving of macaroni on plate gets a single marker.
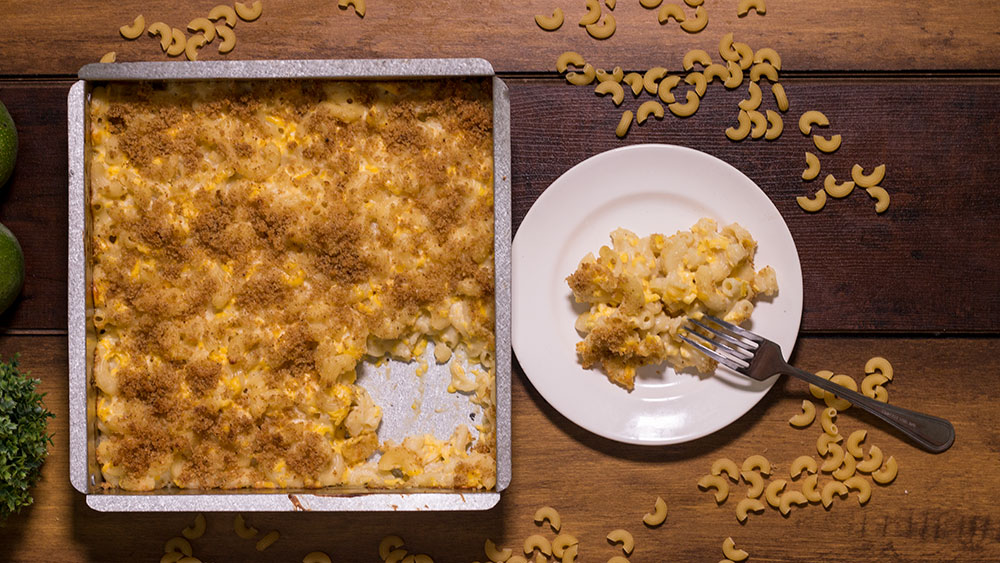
(252, 242)
(640, 292)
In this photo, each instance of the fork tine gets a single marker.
(741, 345)
(730, 363)
(735, 329)
(738, 354)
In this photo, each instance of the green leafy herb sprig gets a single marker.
(24, 438)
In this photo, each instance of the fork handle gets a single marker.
(933, 433)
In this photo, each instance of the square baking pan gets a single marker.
(440, 410)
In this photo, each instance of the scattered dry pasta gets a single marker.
(550, 23)
(658, 515)
(806, 417)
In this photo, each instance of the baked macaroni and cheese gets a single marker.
(252, 242)
(642, 290)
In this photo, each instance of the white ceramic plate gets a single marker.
(646, 189)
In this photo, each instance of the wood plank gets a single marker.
(33, 203)
(809, 34)
(941, 507)
(926, 265)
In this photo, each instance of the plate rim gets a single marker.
(540, 203)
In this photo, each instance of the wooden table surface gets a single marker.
(913, 85)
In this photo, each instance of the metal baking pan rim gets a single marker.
(82, 473)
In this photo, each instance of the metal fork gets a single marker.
(758, 358)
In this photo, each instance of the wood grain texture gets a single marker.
(40, 38)
(941, 507)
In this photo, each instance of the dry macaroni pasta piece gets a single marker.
(847, 470)
(616, 75)
(688, 108)
(647, 108)
(109, 57)
(228, 37)
(716, 70)
(593, 13)
(697, 80)
(810, 118)
(819, 392)
(759, 123)
(814, 203)
(624, 123)
(665, 87)
(618, 559)
(726, 49)
(835, 460)
(862, 486)
(756, 482)
(582, 78)
(788, 498)
(694, 3)
(867, 180)
(747, 505)
(195, 530)
(746, 54)
(396, 556)
(172, 557)
(178, 544)
(881, 198)
(613, 88)
(537, 542)
(699, 56)
(650, 4)
(724, 464)
(853, 443)
(741, 132)
(826, 421)
(268, 539)
(698, 23)
(887, 474)
(359, 6)
(830, 489)
(551, 23)
(824, 441)
(775, 125)
(765, 70)
(831, 399)
(316, 557)
(550, 515)
(779, 97)
(241, 529)
(611, 4)
(744, 7)
(802, 463)
(134, 31)
(874, 461)
(388, 544)
(809, 488)
(827, 145)
(561, 543)
(251, 13)
(718, 483)
(810, 173)
(806, 417)
(193, 44)
(569, 58)
(651, 78)
(659, 513)
(773, 491)
(223, 12)
(753, 102)
(569, 556)
(623, 537)
(735, 75)
(496, 555)
(756, 462)
(163, 31)
(878, 364)
(204, 26)
(768, 55)
(604, 29)
(178, 41)
(871, 383)
(730, 551)
(670, 11)
(635, 81)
